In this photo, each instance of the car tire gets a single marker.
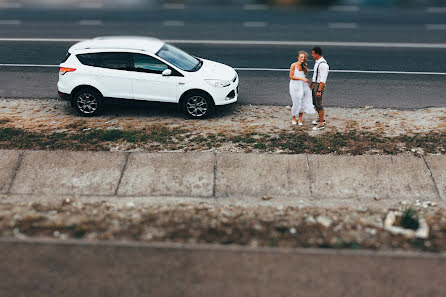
(87, 102)
(197, 105)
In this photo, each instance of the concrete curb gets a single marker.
(222, 175)
(80, 268)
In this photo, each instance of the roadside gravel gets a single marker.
(257, 223)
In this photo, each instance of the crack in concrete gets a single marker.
(214, 181)
(433, 179)
(14, 172)
(127, 155)
(310, 177)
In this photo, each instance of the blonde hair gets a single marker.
(304, 63)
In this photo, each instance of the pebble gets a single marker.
(324, 221)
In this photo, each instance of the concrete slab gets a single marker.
(386, 177)
(64, 172)
(168, 174)
(262, 174)
(8, 163)
(437, 164)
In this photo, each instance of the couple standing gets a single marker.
(307, 98)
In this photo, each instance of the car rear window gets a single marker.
(89, 59)
(120, 61)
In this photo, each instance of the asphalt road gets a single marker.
(270, 84)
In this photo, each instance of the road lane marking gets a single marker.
(436, 9)
(10, 22)
(257, 42)
(91, 5)
(255, 24)
(90, 23)
(28, 65)
(255, 7)
(174, 6)
(10, 5)
(344, 8)
(350, 71)
(435, 27)
(270, 69)
(173, 23)
(343, 25)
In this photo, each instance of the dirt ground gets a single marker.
(44, 114)
(258, 223)
(53, 124)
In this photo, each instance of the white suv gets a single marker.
(141, 68)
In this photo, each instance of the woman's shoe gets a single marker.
(300, 123)
(293, 122)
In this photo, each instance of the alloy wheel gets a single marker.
(87, 103)
(197, 106)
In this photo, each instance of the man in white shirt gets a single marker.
(317, 85)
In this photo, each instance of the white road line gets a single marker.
(10, 22)
(343, 25)
(28, 65)
(272, 69)
(344, 8)
(350, 71)
(173, 23)
(435, 26)
(256, 42)
(255, 7)
(90, 23)
(174, 6)
(91, 5)
(436, 9)
(10, 5)
(255, 24)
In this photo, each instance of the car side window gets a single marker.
(88, 59)
(144, 63)
(118, 61)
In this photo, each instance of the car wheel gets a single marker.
(198, 105)
(87, 102)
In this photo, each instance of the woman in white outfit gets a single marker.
(299, 90)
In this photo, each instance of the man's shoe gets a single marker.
(317, 122)
(319, 127)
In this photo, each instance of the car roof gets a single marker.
(147, 44)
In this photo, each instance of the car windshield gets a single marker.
(179, 58)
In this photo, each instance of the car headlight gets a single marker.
(218, 83)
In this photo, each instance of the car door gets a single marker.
(149, 83)
(111, 75)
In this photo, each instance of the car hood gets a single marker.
(214, 70)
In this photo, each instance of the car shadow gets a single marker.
(126, 108)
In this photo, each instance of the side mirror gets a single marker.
(167, 72)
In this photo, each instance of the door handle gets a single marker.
(181, 83)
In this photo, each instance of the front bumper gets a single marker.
(229, 95)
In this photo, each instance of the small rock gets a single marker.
(324, 221)
(293, 230)
(267, 198)
(129, 205)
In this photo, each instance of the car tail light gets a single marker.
(63, 70)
